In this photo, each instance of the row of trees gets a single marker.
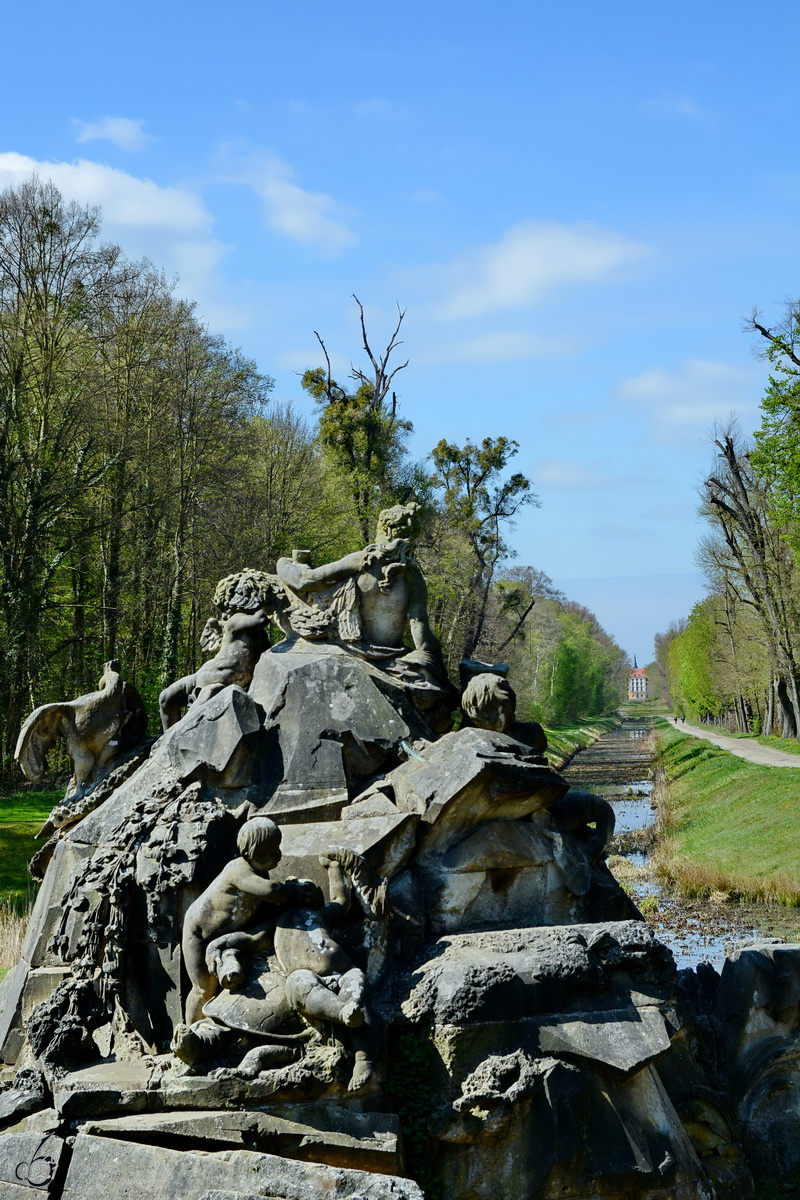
(141, 458)
(736, 660)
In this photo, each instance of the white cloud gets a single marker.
(126, 200)
(424, 195)
(674, 104)
(566, 474)
(122, 131)
(499, 347)
(691, 396)
(529, 261)
(306, 217)
(169, 225)
(375, 107)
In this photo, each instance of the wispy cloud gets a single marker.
(307, 217)
(674, 104)
(123, 132)
(169, 225)
(502, 346)
(526, 264)
(690, 396)
(376, 107)
(424, 195)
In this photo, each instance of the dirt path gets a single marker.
(754, 752)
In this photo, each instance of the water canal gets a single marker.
(620, 767)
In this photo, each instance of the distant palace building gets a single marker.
(638, 683)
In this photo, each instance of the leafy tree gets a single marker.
(360, 430)
(758, 564)
(776, 456)
(51, 275)
(478, 503)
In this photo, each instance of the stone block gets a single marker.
(294, 805)
(512, 973)
(106, 1088)
(40, 984)
(324, 1133)
(624, 1039)
(467, 778)
(30, 1161)
(385, 842)
(340, 721)
(46, 1120)
(215, 739)
(113, 816)
(758, 1003)
(104, 1166)
(11, 1031)
(152, 995)
(506, 873)
(500, 845)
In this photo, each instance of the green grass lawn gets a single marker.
(728, 825)
(21, 816)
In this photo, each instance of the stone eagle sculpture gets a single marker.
(96, 727)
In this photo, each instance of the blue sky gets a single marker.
(577, 205)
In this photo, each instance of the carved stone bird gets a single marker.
(96, 728)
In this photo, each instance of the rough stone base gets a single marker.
(103, 1167)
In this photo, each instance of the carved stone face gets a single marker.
(401, 521)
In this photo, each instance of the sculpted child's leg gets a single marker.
(204, 984)
(308, 994)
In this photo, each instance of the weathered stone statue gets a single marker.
(98, 729)
(373, 598)
(314, 942)
(489, 702)
(237, 636)
(230, 903)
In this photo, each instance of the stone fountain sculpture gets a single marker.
(313, 941)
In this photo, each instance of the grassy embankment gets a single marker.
(566, 740)
(21, 816)
(726, 825)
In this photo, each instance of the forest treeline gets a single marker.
(736, 660)
(142, 458)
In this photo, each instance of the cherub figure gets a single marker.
(237, 636)
(230, 903)
(322, 982)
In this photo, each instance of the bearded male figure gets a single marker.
(375, 597)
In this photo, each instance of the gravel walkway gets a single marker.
(753, 751)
